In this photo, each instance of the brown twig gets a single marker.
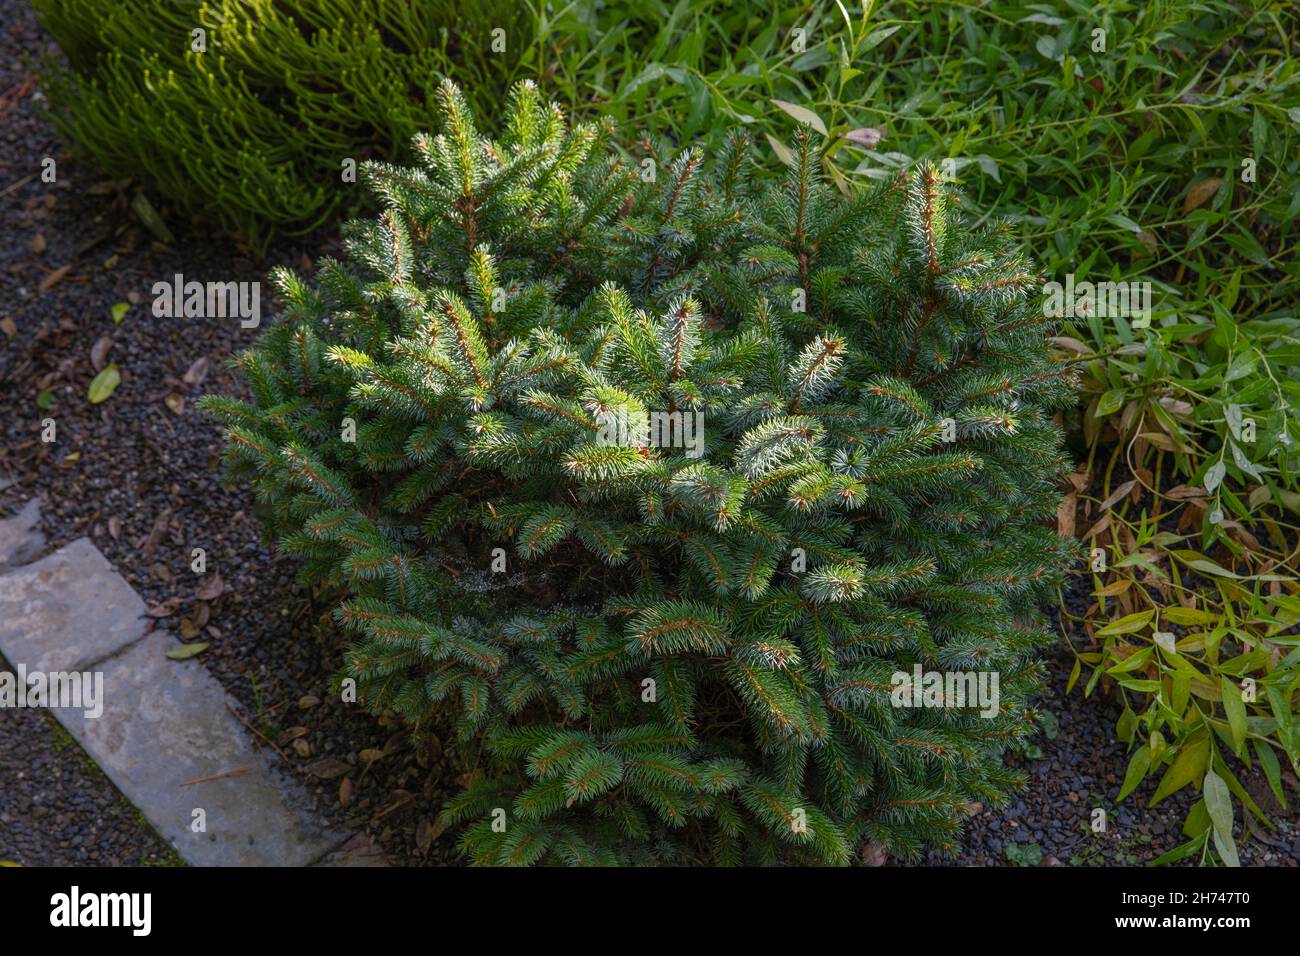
(12, 186)
(259, 734)
(396, 806)
(218, 776)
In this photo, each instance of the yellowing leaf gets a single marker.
(1127, 624)
(1187, 616)
(186, 651)
(783, 152)
(102, 385)
(1114, 588)
(1189, 765)
(802, 114)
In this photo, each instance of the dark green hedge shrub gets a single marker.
(252, 133)
(681, 650)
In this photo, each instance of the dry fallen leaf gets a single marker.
(8, 326)
(53, 278)
(166, 609)
(424, 834)
(1080, 480)
(868, 136)
(346, 791)
(439, 827)
(103, 384)
(1073, 344)
(1183, 492)
(151, 541)
(197, 372)
(1097, 528)
(470, 778)
(176, 403)
(327, 768)
(1200, 194)
(400, 799)
(189, 630)
(37, 245)
(1117, 494)
(99, 352)
(1065, 516)
(211, 587)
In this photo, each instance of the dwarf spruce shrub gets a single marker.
(653, 484)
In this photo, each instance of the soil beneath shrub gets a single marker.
(140, 475)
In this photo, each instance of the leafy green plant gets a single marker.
(249, 124)
(1217, 396)
(1117, 846)
(1201, 648)
(1024, 854)
(1089, 148)
(671, 649)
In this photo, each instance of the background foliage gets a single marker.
(252, 133)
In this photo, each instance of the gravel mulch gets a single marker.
(139, 474)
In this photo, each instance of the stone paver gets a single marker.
(166, 737)
(67, 610)
(20, 535)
